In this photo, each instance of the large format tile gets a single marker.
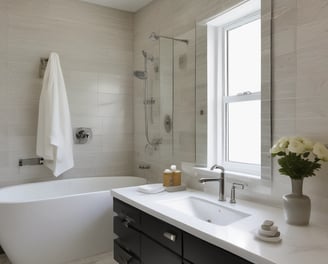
(95, 45)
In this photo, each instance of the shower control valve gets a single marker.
(150, 101)
(82, 135)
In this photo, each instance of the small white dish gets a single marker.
(151, 188)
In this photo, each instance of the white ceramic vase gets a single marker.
(297, 207)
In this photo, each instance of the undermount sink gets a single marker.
(205, 210)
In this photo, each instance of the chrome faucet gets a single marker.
(220, 180)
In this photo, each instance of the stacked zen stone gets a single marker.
(269, 232)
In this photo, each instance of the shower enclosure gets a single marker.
(162, 63)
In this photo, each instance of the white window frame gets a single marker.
(219, 150)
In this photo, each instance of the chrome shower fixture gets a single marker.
(153, 36)
(142, 75)
(148, 101)
(147, 56)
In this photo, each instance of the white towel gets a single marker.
(54, 138)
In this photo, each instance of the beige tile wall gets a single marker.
(299, 68)
(300, 83)
(100, 47)
(95, 45)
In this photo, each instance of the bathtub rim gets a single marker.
(67, 195)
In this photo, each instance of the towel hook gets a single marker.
(43, 66)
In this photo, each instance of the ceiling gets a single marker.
(125, 5)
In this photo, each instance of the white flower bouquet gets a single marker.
(299, 157)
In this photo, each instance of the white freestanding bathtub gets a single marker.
(59, 221)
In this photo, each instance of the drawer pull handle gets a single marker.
(170, 236)
(127, 221)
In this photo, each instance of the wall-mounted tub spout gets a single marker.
(144, 166)
(31, 161)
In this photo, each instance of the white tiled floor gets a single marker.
(106, 258)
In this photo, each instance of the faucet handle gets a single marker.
(233, 191)
(236, 184)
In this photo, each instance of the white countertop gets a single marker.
(301, 245)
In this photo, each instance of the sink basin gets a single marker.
(205, 210)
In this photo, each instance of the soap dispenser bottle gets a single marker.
(167, 178)
(176, 175)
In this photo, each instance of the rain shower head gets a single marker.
(153, 36)
(142, 75)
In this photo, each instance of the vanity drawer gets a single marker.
(127, 212)
(129, 238)
(164, 233)
(200, 252)
(122, 256)
(152, 253)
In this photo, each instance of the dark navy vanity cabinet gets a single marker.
(145, 239)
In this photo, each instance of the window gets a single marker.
(242, 96)
(236, 80)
